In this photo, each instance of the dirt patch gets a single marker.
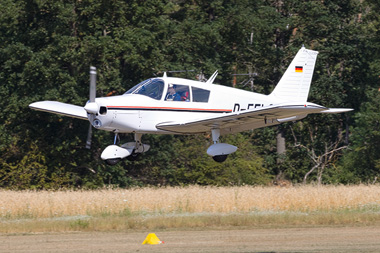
(322, 239)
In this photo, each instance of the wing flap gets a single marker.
(240, 121)
(60, 108)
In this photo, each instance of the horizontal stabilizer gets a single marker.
(60, 108)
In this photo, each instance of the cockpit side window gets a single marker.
(200, 95)
(177, 92)
(152, 88)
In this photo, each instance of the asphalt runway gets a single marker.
(316, 239)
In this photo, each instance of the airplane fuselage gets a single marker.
(141, 113)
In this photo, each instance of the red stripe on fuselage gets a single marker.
(168, 108)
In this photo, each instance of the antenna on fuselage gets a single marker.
(212, 78)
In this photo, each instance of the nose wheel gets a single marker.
(113, 161)
(130, 150)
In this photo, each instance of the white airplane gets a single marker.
(169, 105)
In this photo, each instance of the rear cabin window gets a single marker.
(200, 95)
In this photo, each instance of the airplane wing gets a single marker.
(60, 108)
(249, 119)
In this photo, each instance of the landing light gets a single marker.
(97, 123)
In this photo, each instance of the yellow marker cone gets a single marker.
(152, 239)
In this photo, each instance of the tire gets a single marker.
(219, 158)
(113, 161)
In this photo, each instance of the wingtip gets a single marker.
(35, 104)
(337, 110)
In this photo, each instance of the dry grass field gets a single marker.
(184, 207)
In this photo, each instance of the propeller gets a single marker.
(92, 83)
(89, 137)
(91, 107)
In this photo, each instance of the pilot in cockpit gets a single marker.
(172, 95)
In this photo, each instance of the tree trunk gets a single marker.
(281, 150)
(280, 141)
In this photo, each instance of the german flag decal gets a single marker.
(299, 69)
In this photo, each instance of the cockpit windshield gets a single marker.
(152, 88)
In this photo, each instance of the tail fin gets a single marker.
(295, 83)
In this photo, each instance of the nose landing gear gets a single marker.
(130, 150)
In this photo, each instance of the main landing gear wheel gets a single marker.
(219, 158)
(219, 151)
(113, 161)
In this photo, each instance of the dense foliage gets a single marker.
(46, 48)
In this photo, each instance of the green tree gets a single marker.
(243, 167)
(361, 162)
(47, 47)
